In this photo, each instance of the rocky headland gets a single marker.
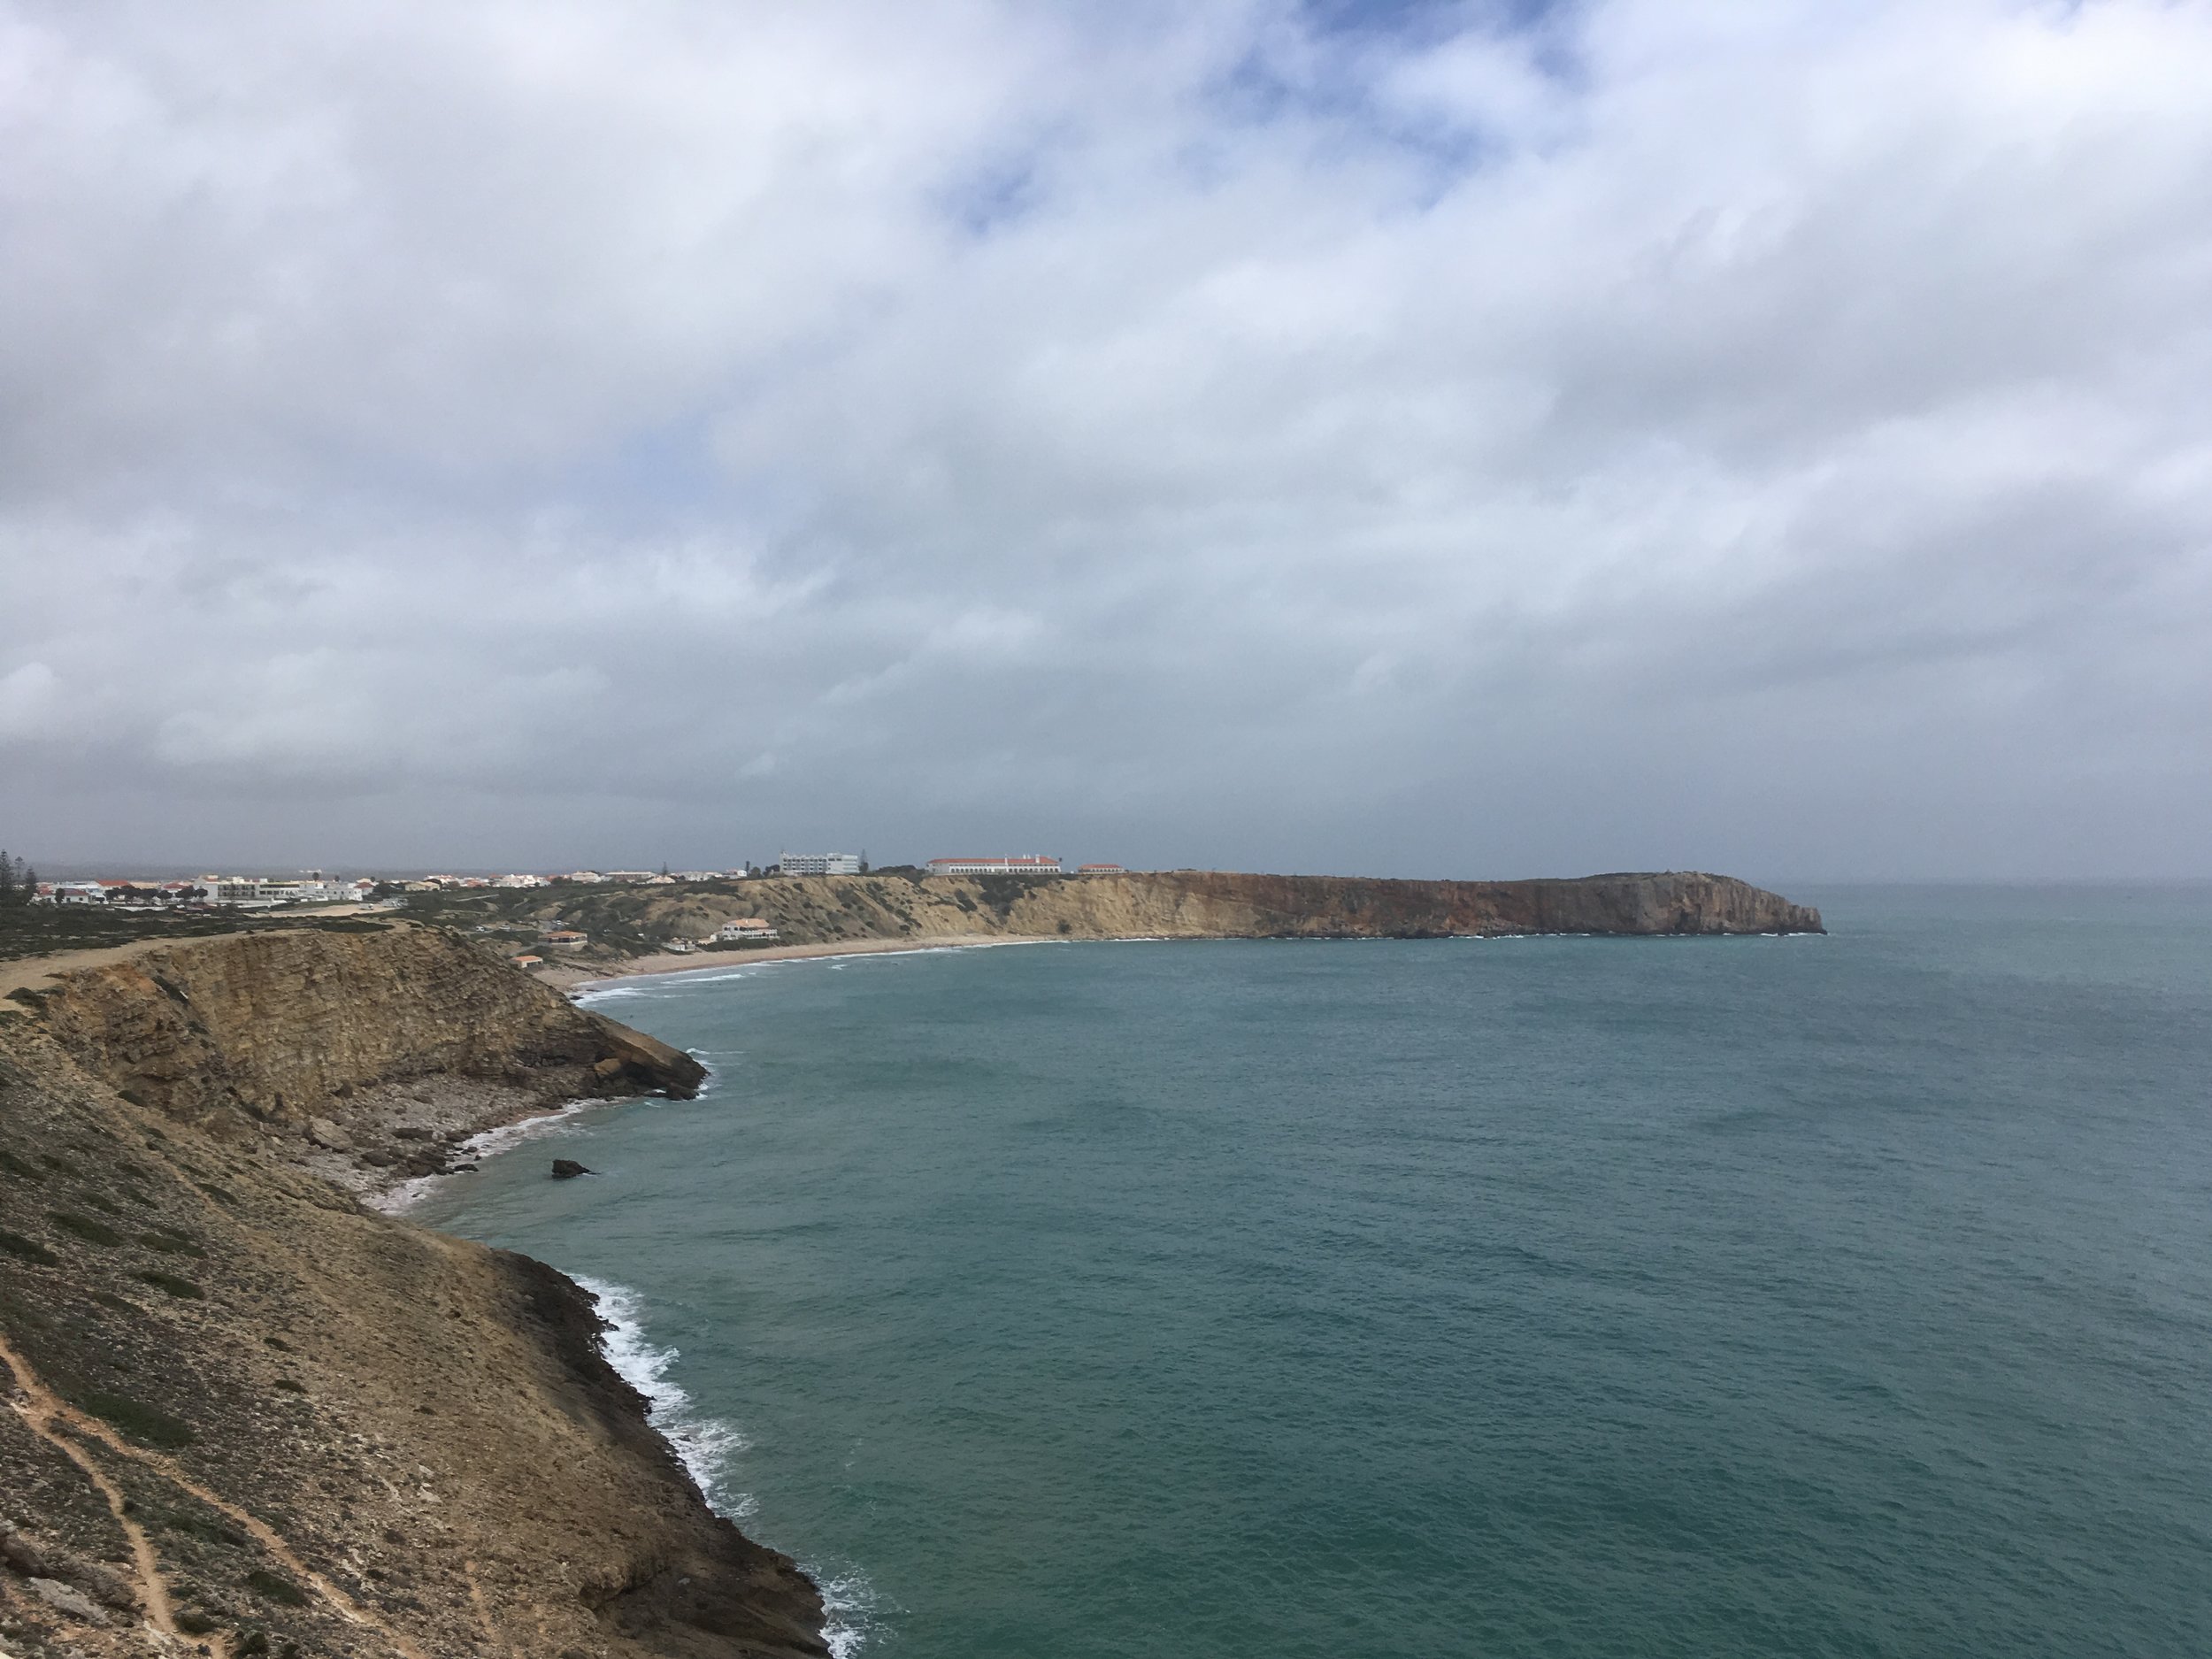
(250, 1415)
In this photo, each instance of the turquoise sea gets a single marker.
(1844, 1295)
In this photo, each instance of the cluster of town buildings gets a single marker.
(312, 886)
(252, 893)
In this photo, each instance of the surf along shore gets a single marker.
(250, 1412)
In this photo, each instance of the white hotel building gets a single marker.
(1011, 864)
(819, 864)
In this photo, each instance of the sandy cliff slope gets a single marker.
(247, 1416)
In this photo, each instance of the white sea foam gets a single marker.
(850, 1601)
(593, 991)
(707, 1446)
(405, 1195)
(704, 1445)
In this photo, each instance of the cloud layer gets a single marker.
(1773, 438)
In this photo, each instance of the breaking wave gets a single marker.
(706, 1447)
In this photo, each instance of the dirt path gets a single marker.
(39, 1408)
(42, 1409)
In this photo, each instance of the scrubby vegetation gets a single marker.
(37, 930)
(139, 1421)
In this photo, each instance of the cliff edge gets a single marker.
(248, 1416)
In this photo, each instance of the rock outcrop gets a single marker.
(248, 1413)
(282, 1026)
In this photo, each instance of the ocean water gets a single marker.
(1845, 1295)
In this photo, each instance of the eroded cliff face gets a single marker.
(278, 1026)
(247, 1416)
(1215, 902)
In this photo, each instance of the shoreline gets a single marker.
(397, 1192)
(578, 977)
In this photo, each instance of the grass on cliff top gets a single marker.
(41, 930)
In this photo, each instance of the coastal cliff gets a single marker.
(250, 1416)
(628, 924)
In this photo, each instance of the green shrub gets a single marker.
(25, 1249)
(195, 1526)
(192, 1622)
(290, 1386)
(170, 1243)
(275, 1587)
(140, 1422)
(100, 1203)
(91, 1231)
(16, 1166)
(175, 1285)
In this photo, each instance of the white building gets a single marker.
(1004, 864)
(743, 928)
(819, 864)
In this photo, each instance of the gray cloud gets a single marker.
(1647, 434)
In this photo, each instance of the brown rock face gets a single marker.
(1676, 901)
(248, 1413)
(278, 1026)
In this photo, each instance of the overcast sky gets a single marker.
(1407, 440)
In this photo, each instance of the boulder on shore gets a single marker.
(326, 1134)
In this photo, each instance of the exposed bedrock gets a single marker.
(282, 1026)
(1223, 902)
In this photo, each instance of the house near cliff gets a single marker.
(744, 929)
(1101, 870)
(1002, 865)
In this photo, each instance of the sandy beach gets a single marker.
(571, 977)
